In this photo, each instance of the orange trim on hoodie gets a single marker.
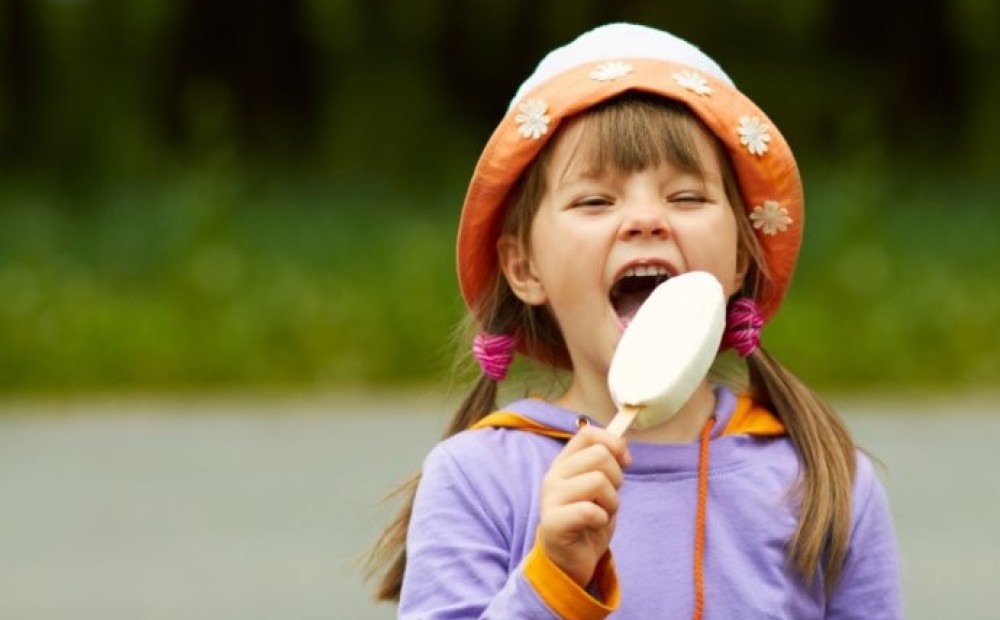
(506, 419)
(748, 419)
(564, 596)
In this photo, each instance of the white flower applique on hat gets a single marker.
(693, 81)
(532, 122)
(770, 218)
(611, 70)
(754, 134)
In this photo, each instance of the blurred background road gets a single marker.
(242, 510)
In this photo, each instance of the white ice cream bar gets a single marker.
(666, 350)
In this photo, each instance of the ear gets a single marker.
(517, 269)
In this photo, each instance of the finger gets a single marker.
(590, 486)
(592, 458)
(592, 435)
(575, 517)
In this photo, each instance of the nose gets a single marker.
(645, 221)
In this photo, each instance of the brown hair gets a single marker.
(628, 134)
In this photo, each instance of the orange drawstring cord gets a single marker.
(699, 524)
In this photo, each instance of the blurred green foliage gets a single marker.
(230, 280)
(898, 286)
(260, 195)
(222, 280)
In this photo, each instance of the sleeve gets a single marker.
(458, 555)
(869, 586)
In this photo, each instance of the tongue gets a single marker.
(627, 304)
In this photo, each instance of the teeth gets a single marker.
(646, 270)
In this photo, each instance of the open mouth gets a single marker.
(633, 287)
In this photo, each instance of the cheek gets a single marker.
(734, 268)
(715, 248)
(547, 261)
(560, 249)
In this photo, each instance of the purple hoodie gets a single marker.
(477, 509)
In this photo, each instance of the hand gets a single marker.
(580, 500)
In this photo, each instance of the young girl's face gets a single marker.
(601, 240)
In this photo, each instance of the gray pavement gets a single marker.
(245, 509)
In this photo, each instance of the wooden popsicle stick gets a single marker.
(623, 419)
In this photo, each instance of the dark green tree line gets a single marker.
(86, 82)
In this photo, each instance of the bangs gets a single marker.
(636, 131)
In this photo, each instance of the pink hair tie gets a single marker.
(494, 353)
(743, 324)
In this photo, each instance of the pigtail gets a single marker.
(387, 559)
(388, 556)
(494, 353)
(503, 316)
(827, 453)
(481, 400)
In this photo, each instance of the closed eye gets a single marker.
(688, 198)
(592, 201)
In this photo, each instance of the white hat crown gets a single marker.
(614, 41)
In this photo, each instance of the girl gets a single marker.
(629, 157)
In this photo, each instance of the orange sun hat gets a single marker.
(600, 65)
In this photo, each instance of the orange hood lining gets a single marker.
(748, 419)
